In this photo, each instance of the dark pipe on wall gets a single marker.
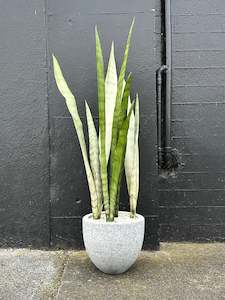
(168, 73)
(167, 157)
(159, 74)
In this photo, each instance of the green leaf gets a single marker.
(130, 149)
(137, 118)
(94, 155)
(101, 111)
(132, 159)
(72, 107)
(118, 163)
(124, 103)
(122, 117)
(115, 128)
(135, 181)
(110, 99)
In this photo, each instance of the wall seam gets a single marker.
(48, 116)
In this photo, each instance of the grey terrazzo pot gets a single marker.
(113, 246)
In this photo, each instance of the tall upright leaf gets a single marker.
(101, 110)
(110, 99)
(118, 163)
(119, 94)
(94, 155)
(132, 159)
(135, 181)
(122, 117)
(72, 107)
(129, 149)
(124, 102)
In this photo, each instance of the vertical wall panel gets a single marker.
(192, 204)
(24, 157)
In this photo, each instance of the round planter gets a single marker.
(113, 246)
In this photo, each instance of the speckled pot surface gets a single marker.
(113, 246)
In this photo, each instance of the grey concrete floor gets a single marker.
(177, 271)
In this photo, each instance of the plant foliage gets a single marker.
(117, 139)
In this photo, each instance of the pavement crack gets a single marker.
(58, 280)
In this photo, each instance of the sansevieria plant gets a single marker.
(115, 146)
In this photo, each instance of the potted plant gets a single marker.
(112, 238)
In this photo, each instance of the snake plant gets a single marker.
(115, 146)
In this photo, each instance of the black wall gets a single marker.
(24, 155)
(192, 205)
(43, 191)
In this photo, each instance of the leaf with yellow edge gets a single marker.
(94, 155)
(118, 163)
(72, 107)
(101, 111)
(119, 94)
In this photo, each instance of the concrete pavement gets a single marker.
(178, 271)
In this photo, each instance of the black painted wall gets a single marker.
(43, 191)
(192, 205)
(24, 155)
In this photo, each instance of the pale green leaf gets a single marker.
(72, 107)
(110, 99)
(101, 111)
(119, 94)
(132, 159)
(130, 149)
(94, 155)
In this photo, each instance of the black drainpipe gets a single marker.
(167, 157)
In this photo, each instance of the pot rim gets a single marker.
(123, 219)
